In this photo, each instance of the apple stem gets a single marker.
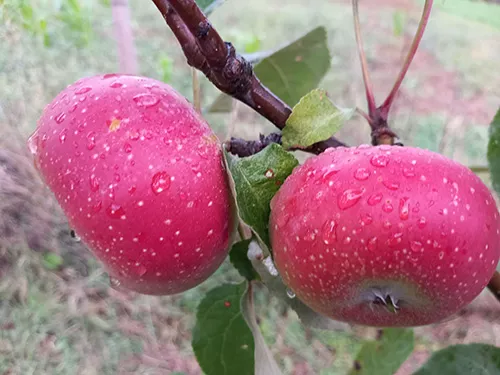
(494, 285)
(386, 106)
(196, 90)
(228, 71)
(372, 107)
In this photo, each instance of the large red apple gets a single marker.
(385, 236)
(140, 175)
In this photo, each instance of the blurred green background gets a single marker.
(58, 314)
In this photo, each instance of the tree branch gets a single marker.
(229, 72)
(494, 285)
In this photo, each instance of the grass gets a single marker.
(60, 323)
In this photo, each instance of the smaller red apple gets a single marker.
(385, 236)
(140, 175)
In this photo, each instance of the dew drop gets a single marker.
(132, 189)
(141, 270)
(94, 183)
(290, 293)
(97, 207)
(146, 100)
(362, 174)
(116, 85)
(416, 246)
(366, 219)
(395, 239)
(409, 172)
(62, 135)
(349, 198)
(115, 283)
(60, 118)
(160, 182)
(329, 233)
(375, 199)
(33, 143)
(391, 185)
(83, 90)
(422, 222)
(328, 174)
(379, 161)
(269, 173)
(127, 147)
(387, 207)
(372, 244)
(115, 211)
(91, 140)
(404, 208)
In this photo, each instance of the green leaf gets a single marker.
(239, 259)
(472, 359)
(222, 341)
(208, 6)
(256, 179)
(291, 71)
(298, 68)
(52, 261)
(315, 118)
(493, 153)
(385, 355)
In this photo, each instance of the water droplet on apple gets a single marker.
(387, 207)
(116, 85)
(94, 183)
(375, 199)
(141, 270)
(127, 147)
(160, 182)
(97, 207)
(391, 185)
(146, 100)
(60, 118)
(115, 211)
(83, 90)
(372, 244)
(409, 172)
(416, 246)
(422, 222)
(329, 233)
(328, 174)
(366, 219)
(91, 140)
(395, 239)
(290, 293)
(379, 161)
(132, 189)
(404, 208)
(349, 198)
(62, 135)
(362, 174)
(33, 143)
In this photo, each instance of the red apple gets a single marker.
(385, 236)
(140, 175)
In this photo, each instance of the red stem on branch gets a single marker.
(386, 106)
(229, 72)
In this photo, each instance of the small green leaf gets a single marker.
(52, 261)
(208, 6)
(493, 153)
(315, 118)
(385, 355)
(256, 179)
(253, 45)
(239, 259)
(222, 341)
(166, 68)
(472, 359)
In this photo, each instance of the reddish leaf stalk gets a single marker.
(386, 106)
(229, 72)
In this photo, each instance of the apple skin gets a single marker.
(354, 228)
(140, 176)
